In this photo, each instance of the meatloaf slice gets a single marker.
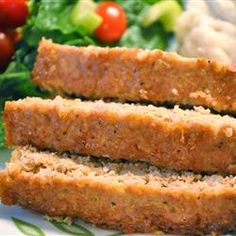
(129, 196)
(135, 75)
(184, 140)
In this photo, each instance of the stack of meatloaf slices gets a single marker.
(137, 168)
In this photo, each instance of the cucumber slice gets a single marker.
(84, 17)
(165, 11)
(89, 21)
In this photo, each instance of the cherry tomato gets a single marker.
(114, 21)
(13, 13)
(6, 50)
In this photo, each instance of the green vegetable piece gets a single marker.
(27, 228)
(85, 5)
(74, 229)
(165, 11)
(83, 16)
(89, 21)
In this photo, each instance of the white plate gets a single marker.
(17, 221)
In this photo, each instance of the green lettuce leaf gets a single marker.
(53, 21)
(55, 16)
(150, 38)
(132, 9)
(136, 36)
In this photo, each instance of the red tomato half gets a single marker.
(6, 50)
(13, 13)
(114, 21)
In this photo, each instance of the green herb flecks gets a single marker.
(27, 228)
(73, 229)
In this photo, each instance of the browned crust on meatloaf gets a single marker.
(132, 197)
(174, 138)
(135, 75)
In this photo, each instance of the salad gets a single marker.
(134, 23)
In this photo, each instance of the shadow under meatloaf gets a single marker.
(135, 75)
(172, 138)
(130, 196)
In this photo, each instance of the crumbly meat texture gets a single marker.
(128, 196)
(174, 138)
(135, 75)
